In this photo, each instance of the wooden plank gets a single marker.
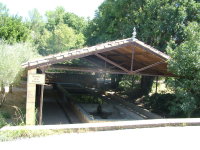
(113, 63)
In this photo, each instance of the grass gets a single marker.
(24, 133)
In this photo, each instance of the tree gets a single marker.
(79, 24)
(63, 31)
(62, 38)
(185, 63)
(156, 21)
(12, 29)
(60, 16)
(12, 56)
(35, 20)
(54, 18)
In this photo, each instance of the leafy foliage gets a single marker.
(62, 31)
(2, 121)
(12, 29)
(161, 104)
(156, 21)
(60, 39)
(185, 63)
(12, 56)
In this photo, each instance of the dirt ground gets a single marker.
(14, 107)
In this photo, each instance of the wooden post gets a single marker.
(156, 84)
(30, 100)
(41, 104)
(132, 58)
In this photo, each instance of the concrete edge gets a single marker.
(111, 125)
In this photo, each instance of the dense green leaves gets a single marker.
(185, 63)
(61, 39)
(156, 21)
(62, 31)
(12, 29)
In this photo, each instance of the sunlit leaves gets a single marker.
(12, 56)
(62, 38)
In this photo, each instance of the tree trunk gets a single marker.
(2, 98)
(118, 79)
(115, 79)
(146, 84)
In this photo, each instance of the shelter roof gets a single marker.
(125, 56)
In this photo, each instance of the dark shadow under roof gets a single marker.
(125, 56)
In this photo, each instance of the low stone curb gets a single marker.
(111, 125)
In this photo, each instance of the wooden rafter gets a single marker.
(147, 67)
(113, 63)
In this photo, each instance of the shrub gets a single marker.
(160, 103)
(2, 121)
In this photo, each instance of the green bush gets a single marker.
(2, 121)
(5, 115)
(160, 103)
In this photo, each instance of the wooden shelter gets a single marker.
(127, 56)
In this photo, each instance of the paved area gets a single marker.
(165, 138)
(52, 113)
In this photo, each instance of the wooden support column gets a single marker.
(41, 104)
(156, 84)
(132, 58)
(41, 99)
(30, 100)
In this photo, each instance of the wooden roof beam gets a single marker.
(147, 67)
(113, 63)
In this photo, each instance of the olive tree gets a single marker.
(12, 56)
